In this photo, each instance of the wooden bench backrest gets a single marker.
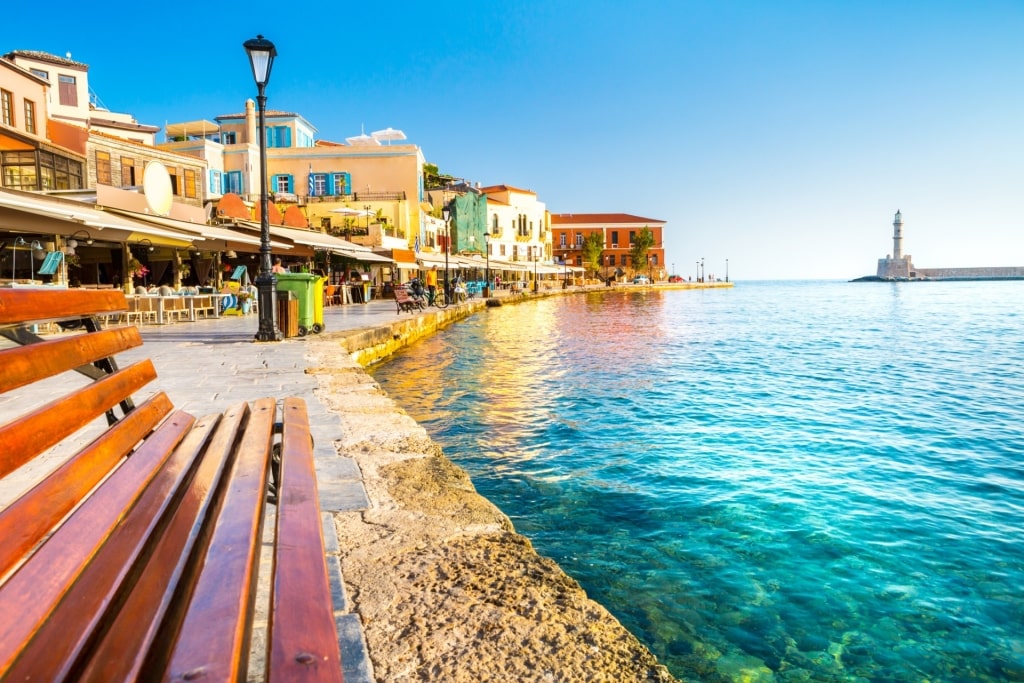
(104, 561)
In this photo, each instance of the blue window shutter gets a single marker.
(348, 183)
(273, 183)
(332, 181)
(287, 136)
(291, 183)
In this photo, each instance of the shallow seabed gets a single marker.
(782, 481)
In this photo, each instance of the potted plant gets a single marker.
(245, 300)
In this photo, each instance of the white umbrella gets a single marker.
(388, 134)
(348, 211)
(363, 139)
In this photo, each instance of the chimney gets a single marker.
(250, 122)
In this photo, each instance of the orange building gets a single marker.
(618, 230)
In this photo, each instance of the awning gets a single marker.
(366, 255)
(207, 232)
(508, 265)
(310, 238)
(78, 215)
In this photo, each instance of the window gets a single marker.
(103, 168)
(7, 106)
(632, 237)
(229, 138)
(59, 173)
(19, 170)
(579, 239)
(562, 239)
(623, 260)
(215, 182)
(281, 183)
(319, 184)
(30, 116)
(175, 181)
(279, 136)
(128, 172)
(341, 184)
(654, 259)
(41, 73)
(68, 89)
(190, 183)
(233, 182)
(494, 224)
(615, 239)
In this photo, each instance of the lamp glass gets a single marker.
(261, 56)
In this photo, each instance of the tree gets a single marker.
(641, 244)
(593, 248)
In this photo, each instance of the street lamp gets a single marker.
(565, 265)
(487, 271)
(261, 57)
(447, 247)
(367, 212)
(535, 259)
(702, 269)
(698, 271)
(726, 270)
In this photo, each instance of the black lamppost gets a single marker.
(535, 259)
(261, 57)
(367, 212)
(487, 273)
(447, 248)
(726, 270)
(702, 269)
(698, 271)
(565, 266)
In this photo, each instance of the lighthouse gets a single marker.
(897, 236)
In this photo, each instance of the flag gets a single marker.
(312, 182)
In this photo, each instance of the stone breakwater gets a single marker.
(444, 587)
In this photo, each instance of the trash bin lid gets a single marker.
(297, 276)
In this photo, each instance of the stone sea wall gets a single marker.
(445, 588)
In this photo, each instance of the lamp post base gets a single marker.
(266, 286)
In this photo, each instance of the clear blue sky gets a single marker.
(780, 135)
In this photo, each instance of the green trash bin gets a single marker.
(309, 290)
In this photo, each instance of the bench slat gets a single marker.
(26, 364)
(151, 614)
(215, 633)
(37, 586)
(26, 521)
(31, 434)
(25, 306)
(303, 641)
(98, 596)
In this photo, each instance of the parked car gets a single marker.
(641, 280)
(675, 278)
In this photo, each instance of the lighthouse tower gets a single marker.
(897, 237)
(897, 266)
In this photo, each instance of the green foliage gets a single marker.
(593, 247)
(641, 244)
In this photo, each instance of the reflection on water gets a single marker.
(788, 481)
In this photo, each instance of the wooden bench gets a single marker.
(136, 556)
(405, 301)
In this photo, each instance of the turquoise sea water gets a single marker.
(792, 481)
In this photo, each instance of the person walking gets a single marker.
(432, 281)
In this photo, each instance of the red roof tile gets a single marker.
(599, 218)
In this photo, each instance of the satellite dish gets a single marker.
(156, 185)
